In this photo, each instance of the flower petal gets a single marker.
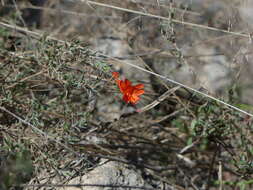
(139, 86)
(126, 98)
(115, 75)
(134, 99)
(128, 83)
(124, 85)
(138, 92)
(130, 93)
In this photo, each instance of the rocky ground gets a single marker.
(184, 142)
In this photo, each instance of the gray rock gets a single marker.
(111, 174)
(208, 72)
(213, 71)
(246, 12)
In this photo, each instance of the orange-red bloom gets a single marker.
(130, 93)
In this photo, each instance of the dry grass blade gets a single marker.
(39, 131)
(36, 34)
(61, 118)
(77, 14)
(87, 185)
(159, 100)
(168, 19)
(182, 85)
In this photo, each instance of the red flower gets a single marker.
(130, 93)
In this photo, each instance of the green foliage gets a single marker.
(16, 164)
(50, 88)
(3, 34)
